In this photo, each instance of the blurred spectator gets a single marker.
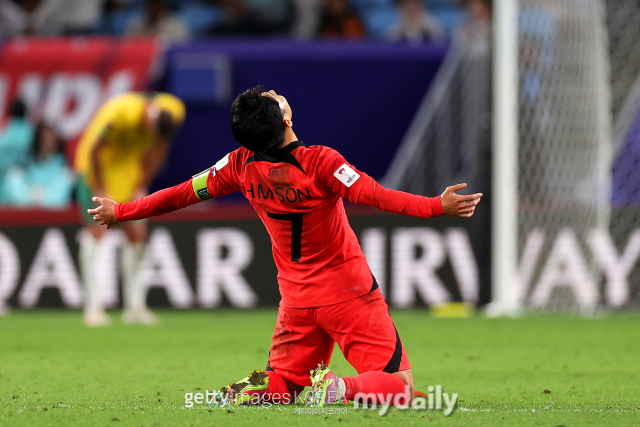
(477, 26)
(48, 17)
(15, 140)
(415, 24)
(76, 17)
(339, 20)
(278, 15)
(114, 18)
(306, 19)
(46, 181)
(240, 20)
(22, 17)
(161, 22)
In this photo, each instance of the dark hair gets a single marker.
(37, 139)
(257, 122)
(166, 126)
(18, 109)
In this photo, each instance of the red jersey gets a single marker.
(297, 192)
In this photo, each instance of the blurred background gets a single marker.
(409, 91)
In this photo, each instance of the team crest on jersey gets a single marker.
(273, 172)
(346, 175)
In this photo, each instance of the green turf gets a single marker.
(54, 371)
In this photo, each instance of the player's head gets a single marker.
(161, 123)
(166, 126)
(259, 119)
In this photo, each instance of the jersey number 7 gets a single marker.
(296, 232)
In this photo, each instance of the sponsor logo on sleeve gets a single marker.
(346, 175)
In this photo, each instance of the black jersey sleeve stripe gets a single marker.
(394, 363)
(375, 284)
(249, 160)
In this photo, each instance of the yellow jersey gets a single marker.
(120, 122)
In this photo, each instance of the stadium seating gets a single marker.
(199, 15)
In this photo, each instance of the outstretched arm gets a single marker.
(340, 177)
(217, 181)
(449, 203)
(109, 213)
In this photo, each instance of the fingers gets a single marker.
(473, 202)
(465, 214)
(457, 187)
(467, 205)
(95, 211)
(458, 205)
(105, 223)
(470, 197)
(100, 220)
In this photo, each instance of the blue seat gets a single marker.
(379, 20)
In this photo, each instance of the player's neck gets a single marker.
(289, 137)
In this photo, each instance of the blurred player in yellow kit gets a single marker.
(118, 156)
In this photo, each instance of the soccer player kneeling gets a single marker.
(328, 292)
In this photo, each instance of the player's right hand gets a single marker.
(104, 214)
(457, 205)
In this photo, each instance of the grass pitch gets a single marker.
(540, 370)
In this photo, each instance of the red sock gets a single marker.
(378, 383)
(276, 392)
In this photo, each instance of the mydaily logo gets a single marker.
(431, 401)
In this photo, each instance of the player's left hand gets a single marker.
(457, 205)
(104, 214)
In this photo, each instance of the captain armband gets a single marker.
(199, 183)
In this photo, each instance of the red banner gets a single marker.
(64, 81)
